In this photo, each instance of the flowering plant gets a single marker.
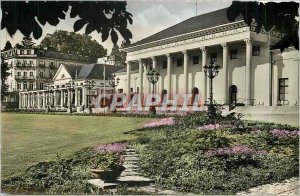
(161, 122)
(285, 133)
(112, 148)
(236, 150)
(209, 127)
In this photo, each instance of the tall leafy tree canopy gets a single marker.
(282, 17)
(74, 43)
(7, 46)
(106, 17)
(27, 42)
(4, 75)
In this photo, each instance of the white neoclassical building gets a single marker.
(250, 73)
(59, 96)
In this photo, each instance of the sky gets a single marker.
(149, 17)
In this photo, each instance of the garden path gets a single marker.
(288, 187)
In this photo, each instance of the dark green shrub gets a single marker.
(64, 176)
(143, 139)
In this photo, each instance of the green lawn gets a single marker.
(30, 138)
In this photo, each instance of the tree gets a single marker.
(106, 17)
(7, 46)
(74, 43)
(4, 75)
(281, 17)
(27, 42)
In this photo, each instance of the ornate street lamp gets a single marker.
(113, 82)
(89, 84)
(70, 86)
(50, 90)
(153, 77)
(211, 71)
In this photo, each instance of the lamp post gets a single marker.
(49, 88)
(113, 82)
(70, 86)
(89, 84)
(152, 77)
(211, 71)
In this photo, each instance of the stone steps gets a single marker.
(103, 185)
(130, 176)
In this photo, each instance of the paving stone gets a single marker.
(134, 179)
(101, 184)
(131, 155)
(131, 159)
(287, 187)
(129, 150)
(130, 166)
(131, 169)
(130, 173)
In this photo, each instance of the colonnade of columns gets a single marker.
(204, 84)
(58, 98)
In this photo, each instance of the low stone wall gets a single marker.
(278, 114)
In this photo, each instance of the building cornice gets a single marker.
(191, 35)
(209, 33)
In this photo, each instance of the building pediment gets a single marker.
(62, 73)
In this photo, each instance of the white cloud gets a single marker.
(152, 20)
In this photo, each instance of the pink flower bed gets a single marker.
(284, 133)
(161, 122)
(210, 126)
(236, 150)
(112, 148)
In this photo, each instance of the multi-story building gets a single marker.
(250, 72)
(32, 68)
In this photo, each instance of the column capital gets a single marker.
(184, 52)
(168, 56)
(248, 41)
(140, 61)
(203, 49)
(224, 45)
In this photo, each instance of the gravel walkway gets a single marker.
(288, 187)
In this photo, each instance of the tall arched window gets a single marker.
(232, 94)
(195, 91)
(162, 96)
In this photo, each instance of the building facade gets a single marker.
(250, 72)
(59, 95)
(31, 68)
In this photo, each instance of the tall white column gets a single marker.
(225, 68)
(84, 93)
(61, 98)
(76, 97)
(55, 98)
(38, 100)
(248, 70)
(146, 85)
(204, 78)
(169, 76)
(44, 99)
(128, 93)
(154, 66)
(28, 100)
(69, 98)
(268, 80)
(154, 63)
(20, 100)
(275, 85)
(141, 78)
(185, 70)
